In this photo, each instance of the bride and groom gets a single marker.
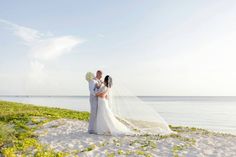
(141, 118)
(102, 120)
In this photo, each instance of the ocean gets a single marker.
(217, 113)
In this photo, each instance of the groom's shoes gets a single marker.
(91, 132)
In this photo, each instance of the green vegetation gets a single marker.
(19, 121)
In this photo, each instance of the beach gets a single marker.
(211, 113)
(71, 136)
(43, 131)
(160, 72)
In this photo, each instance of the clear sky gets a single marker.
(154, 47)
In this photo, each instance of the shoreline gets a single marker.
(177, 118)
(38, 130)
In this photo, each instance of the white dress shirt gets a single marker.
(92, 86)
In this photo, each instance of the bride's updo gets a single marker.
(108, 81)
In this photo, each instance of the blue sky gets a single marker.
(153, 47)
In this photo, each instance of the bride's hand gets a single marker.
(106, 97)
(102, 95)
(98, 85)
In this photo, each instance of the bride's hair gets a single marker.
(108, 81)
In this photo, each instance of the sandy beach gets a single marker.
(160, 72)
(70, 136)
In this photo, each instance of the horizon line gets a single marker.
(137, 95)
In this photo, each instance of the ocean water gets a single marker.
(213, 113)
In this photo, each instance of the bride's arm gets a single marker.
(102, 94)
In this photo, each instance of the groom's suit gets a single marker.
(93, 104)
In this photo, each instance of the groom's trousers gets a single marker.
(93, 113)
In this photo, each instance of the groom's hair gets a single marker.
(99, 71)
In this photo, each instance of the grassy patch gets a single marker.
(6, 133)
(18, 122)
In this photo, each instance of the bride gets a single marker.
(133, 116)
(106, 122)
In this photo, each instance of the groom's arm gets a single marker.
(92, 85)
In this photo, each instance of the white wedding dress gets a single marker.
(128, 116)
(107, 123)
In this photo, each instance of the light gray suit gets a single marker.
(93, 99)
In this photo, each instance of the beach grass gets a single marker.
(18, 122)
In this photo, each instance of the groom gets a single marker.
(94, 85)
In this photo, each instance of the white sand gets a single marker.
(71, 136)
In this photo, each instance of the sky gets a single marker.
(155, 48)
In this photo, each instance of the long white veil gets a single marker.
(134, 112)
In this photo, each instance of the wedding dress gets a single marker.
(107, 123)
(128, 115)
